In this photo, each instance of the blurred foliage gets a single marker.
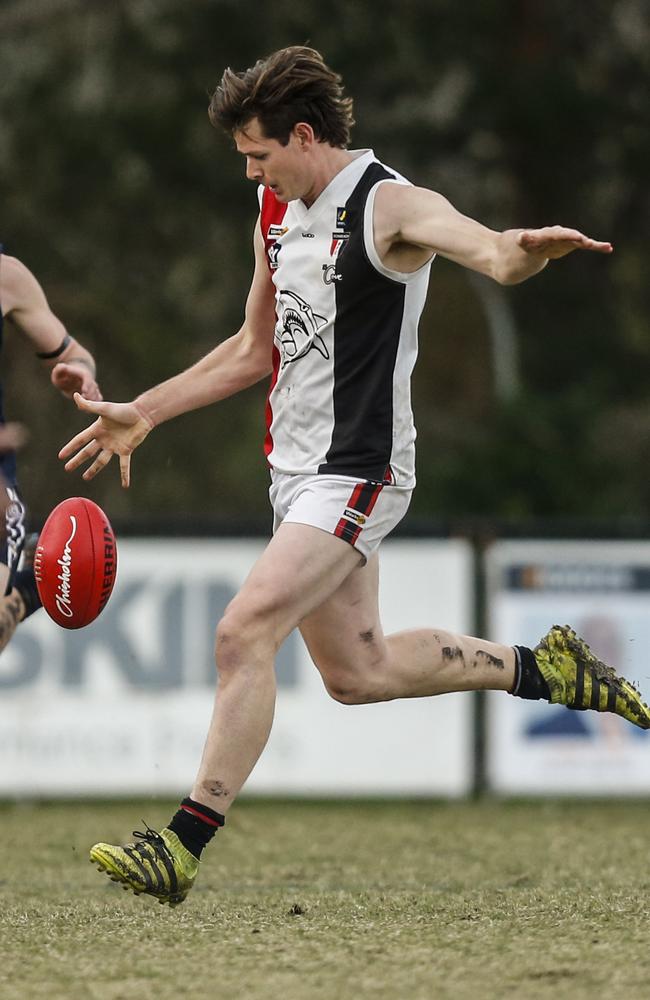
(134, 214)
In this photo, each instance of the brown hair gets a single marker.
(291, 85)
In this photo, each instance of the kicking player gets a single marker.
(72, 369)
(343, 247)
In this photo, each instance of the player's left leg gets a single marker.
(359, 664)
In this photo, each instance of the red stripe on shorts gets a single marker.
(362, 499)
(348, 531)
(374, 496)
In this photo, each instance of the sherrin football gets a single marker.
(75, 562)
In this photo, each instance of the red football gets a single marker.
(75, 562)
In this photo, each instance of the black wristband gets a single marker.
(48, 355)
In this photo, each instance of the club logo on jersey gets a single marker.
(341, 233)
(273, 252)
(297, 331)
(330, 275)
(275, 232)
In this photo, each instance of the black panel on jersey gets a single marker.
(369, 313)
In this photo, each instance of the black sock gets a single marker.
(195, 825)
(529, 680)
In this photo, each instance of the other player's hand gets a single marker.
(118, 430)
(557, 241)
(74, 376)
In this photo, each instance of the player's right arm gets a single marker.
(235, 364)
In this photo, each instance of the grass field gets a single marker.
(308, 901)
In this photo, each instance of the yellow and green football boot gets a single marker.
(578, 679)
(158, 865)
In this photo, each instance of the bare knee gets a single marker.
(243, 640)
(345, 694)
(352, 687)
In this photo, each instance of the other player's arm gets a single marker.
(235, 364)
(410, 218)
(71, 366)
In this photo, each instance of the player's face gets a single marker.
(283, 169)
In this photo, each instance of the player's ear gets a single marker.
(304, 134)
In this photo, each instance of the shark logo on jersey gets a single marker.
(297, 331)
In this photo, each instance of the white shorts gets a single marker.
(360, 512)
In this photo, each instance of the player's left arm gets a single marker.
(72, 366)
(409, 218)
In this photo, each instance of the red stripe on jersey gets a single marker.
(268, 440)
(271, 214)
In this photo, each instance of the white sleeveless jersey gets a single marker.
(346, 335)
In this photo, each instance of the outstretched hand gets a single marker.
(118, 430)
(70, 377)
(557, 241)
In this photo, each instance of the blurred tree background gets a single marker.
(134, 213)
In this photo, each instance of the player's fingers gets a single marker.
(82, 456)
(98, 406)
(561, 239)
(80, 440)
(599, 245)
(100, 462)
(125, 470)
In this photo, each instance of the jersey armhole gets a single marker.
(404, 277)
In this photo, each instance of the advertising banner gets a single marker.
(122, 706)
(602, 589)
